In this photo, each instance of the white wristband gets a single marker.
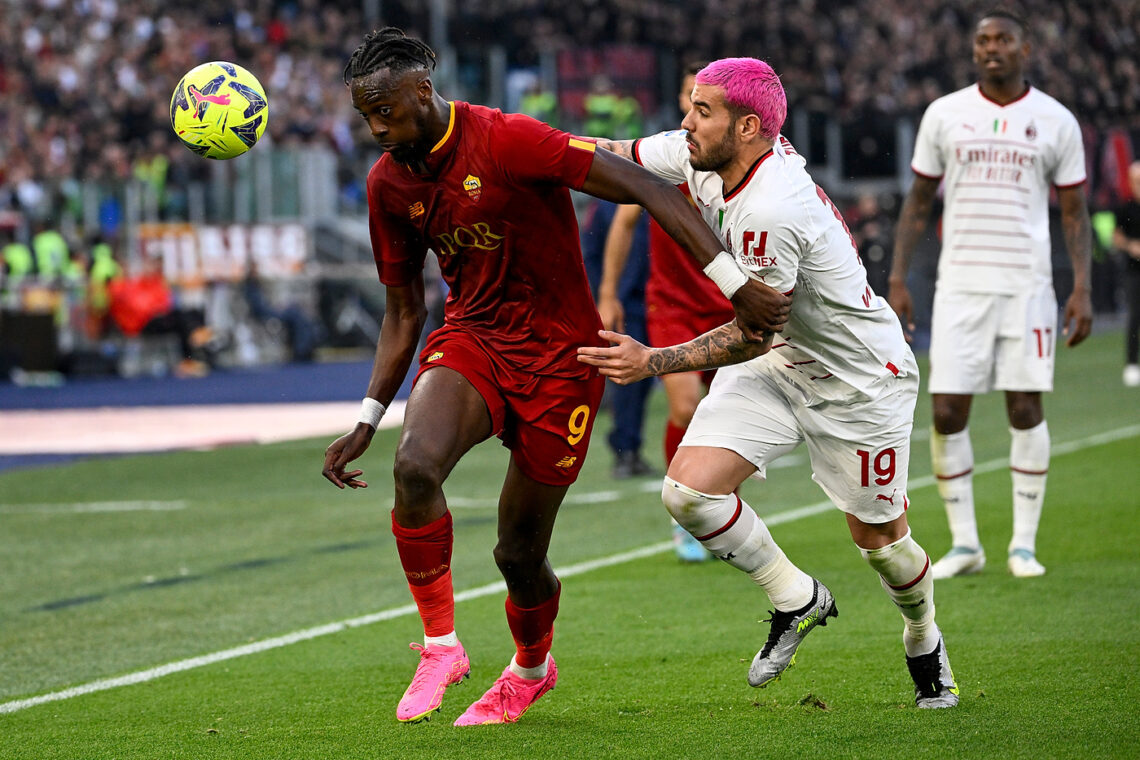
(371, 411)
(726, 273)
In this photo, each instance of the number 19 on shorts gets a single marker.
(880, 465)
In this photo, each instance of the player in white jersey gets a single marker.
(997, 146)
(839, 377)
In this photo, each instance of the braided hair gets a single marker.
(388, 48)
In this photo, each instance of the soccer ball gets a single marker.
(219, 110)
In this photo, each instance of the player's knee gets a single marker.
(1025, 412)
(417, 480)
(949, 418)
(684, 504)
(516, 559)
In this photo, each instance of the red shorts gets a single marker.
(669, 327)
(544, 420)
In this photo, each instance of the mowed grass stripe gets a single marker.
(498, 587)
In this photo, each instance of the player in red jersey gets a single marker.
(488, 193)
(680, 304)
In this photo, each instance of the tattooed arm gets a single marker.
(623, 148)
(627, 361)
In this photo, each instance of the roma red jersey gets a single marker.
(495, 208)
(677, 284)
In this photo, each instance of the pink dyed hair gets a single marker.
(750, 86)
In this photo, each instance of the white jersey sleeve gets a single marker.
(1071, 154)
(929, 146)
(665, 154)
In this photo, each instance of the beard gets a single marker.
(414, 153)
(408, 154)
(716, 156)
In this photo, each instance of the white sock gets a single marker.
(731, 530)
(450, 640)
(1029, 467)
(786, 585)
(532, 674)
(904, 571)
(953, 459)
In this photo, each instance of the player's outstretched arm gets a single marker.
(912, 223)
(627, 361)
(760, 310)
(1077, 229)
(623, 148)
(404, 317)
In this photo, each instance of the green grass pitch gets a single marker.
(247, 544)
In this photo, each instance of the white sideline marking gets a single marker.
(93, 506)
(778, 518)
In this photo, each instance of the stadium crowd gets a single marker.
(85, 84)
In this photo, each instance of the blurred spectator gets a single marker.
(540, 103)
(302, 333)
(102, 270)
(84, 86)
(601, 107)
(1126, 238)
(53, 256)
(873, 228)
(17, 260)
(144, 304)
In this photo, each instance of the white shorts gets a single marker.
(860, 452)
(981, 342)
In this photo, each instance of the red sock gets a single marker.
(533, 630)
(673, 436)
(425, 554)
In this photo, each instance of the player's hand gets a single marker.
(342, 451)
(899, 298)
(612, 313)
(625, 362)
(1078, 317)
(760, 310)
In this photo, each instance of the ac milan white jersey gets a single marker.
(997, 164)
(842, 342)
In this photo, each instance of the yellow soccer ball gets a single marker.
(219, 110)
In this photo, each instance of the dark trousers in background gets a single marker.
(1132, 329)
(627, 403)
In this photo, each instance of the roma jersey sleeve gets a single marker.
(530, 151)
(396, 246)
(665, 154)
(929, 147)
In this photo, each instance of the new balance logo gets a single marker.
(1031, 495)
(566, 462)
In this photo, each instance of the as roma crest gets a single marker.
(474, 187)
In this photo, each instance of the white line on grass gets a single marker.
(92, 507)
(498, 587)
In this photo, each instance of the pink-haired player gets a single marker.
(839, 377)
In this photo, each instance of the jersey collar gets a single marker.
(752, 170)
(443, 149)
(1019, 98)
(450, 128)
